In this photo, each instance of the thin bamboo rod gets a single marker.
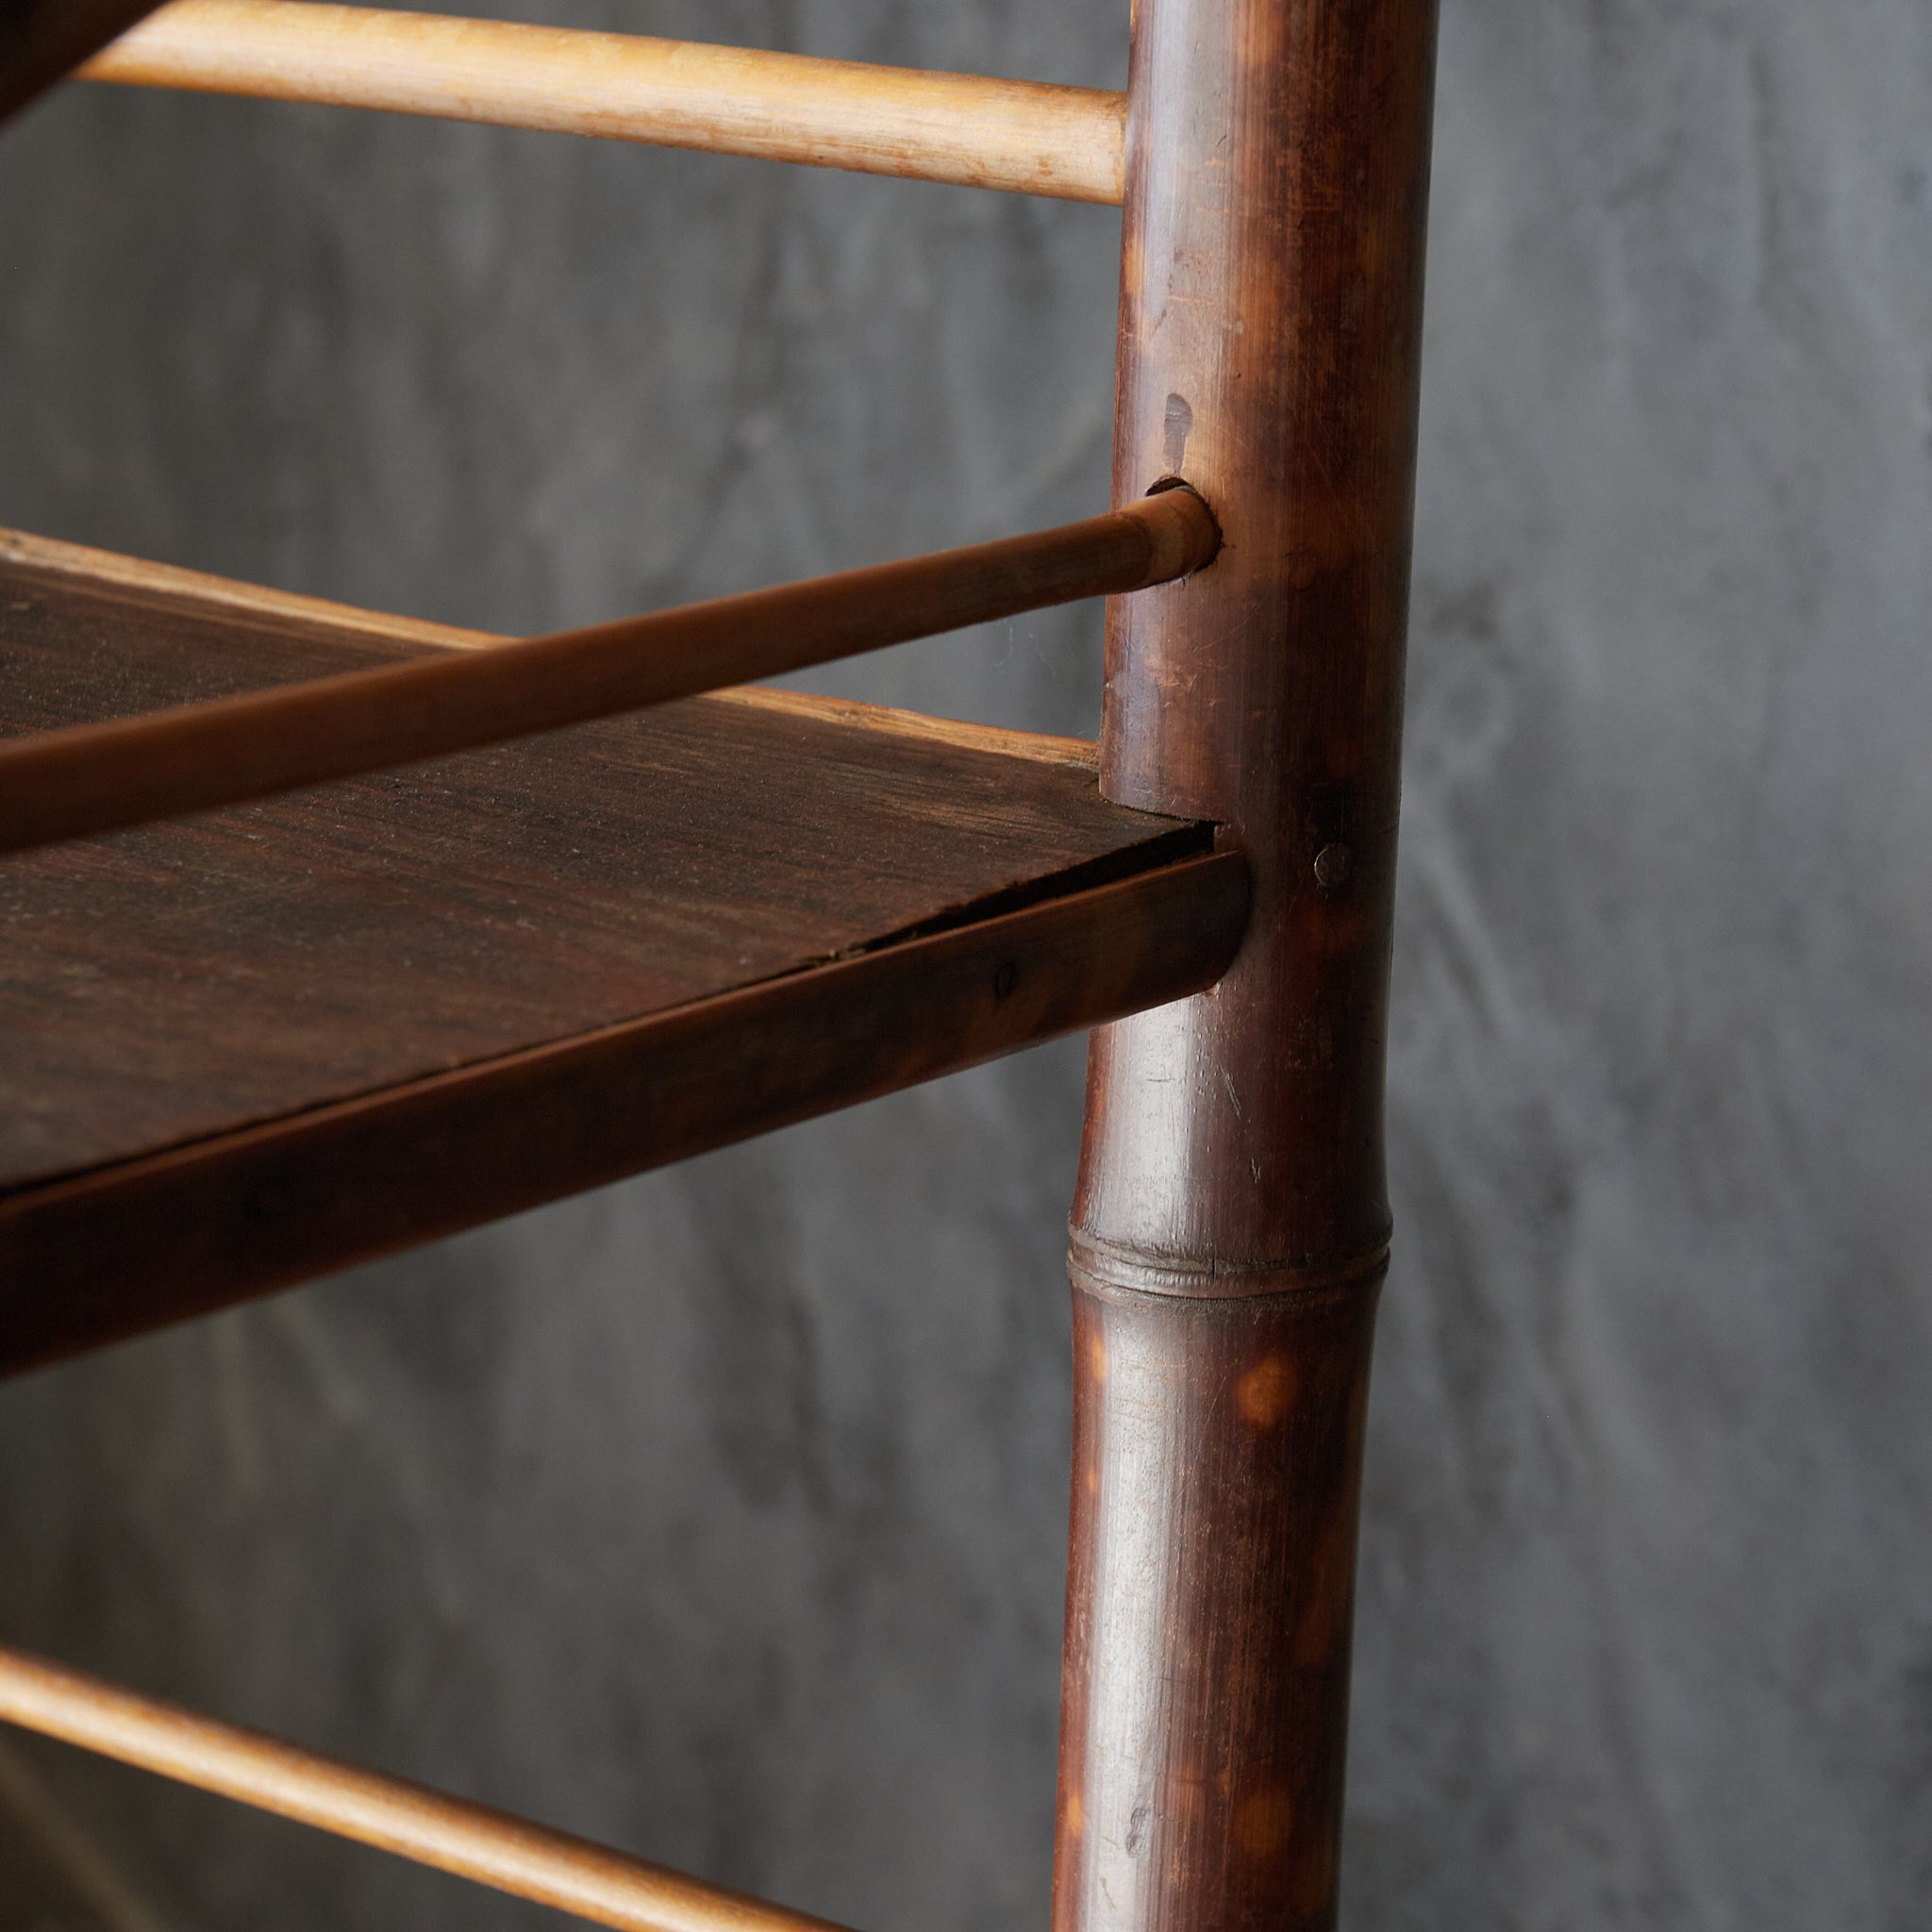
(93, 778)
(474, 1842)
(1065, 141)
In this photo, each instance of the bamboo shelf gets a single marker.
(396, 1006)
(324, 933)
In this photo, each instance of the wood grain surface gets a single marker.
(1062, 141)
(535, 946)
(73, 781)
(89, 569)
(1231, 1223)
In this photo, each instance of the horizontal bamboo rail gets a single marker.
(474, 1842)
(1065, 141)
(93, 778)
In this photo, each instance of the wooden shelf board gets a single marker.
(403, 962)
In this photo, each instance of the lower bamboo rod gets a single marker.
(1064, 142)
(590, 1881)
(93, 778)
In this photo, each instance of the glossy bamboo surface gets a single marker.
(90, 779)
(590, 1882)
(1269, 328)
(1217, 1454)
(1231, 1225)
(1032, 138)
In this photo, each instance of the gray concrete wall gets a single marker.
(720, 1514)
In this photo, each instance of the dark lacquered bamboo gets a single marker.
(1230, 1226)
(96, 778)
(43, 39)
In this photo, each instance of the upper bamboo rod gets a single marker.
(491, 1847)
(1066, 142)
(90, 778)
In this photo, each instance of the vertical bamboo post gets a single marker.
(1229, 1234)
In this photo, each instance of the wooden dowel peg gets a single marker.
(87, 779)
(1064, 142)
(590, 1882)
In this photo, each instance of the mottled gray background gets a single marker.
(720, 1514)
